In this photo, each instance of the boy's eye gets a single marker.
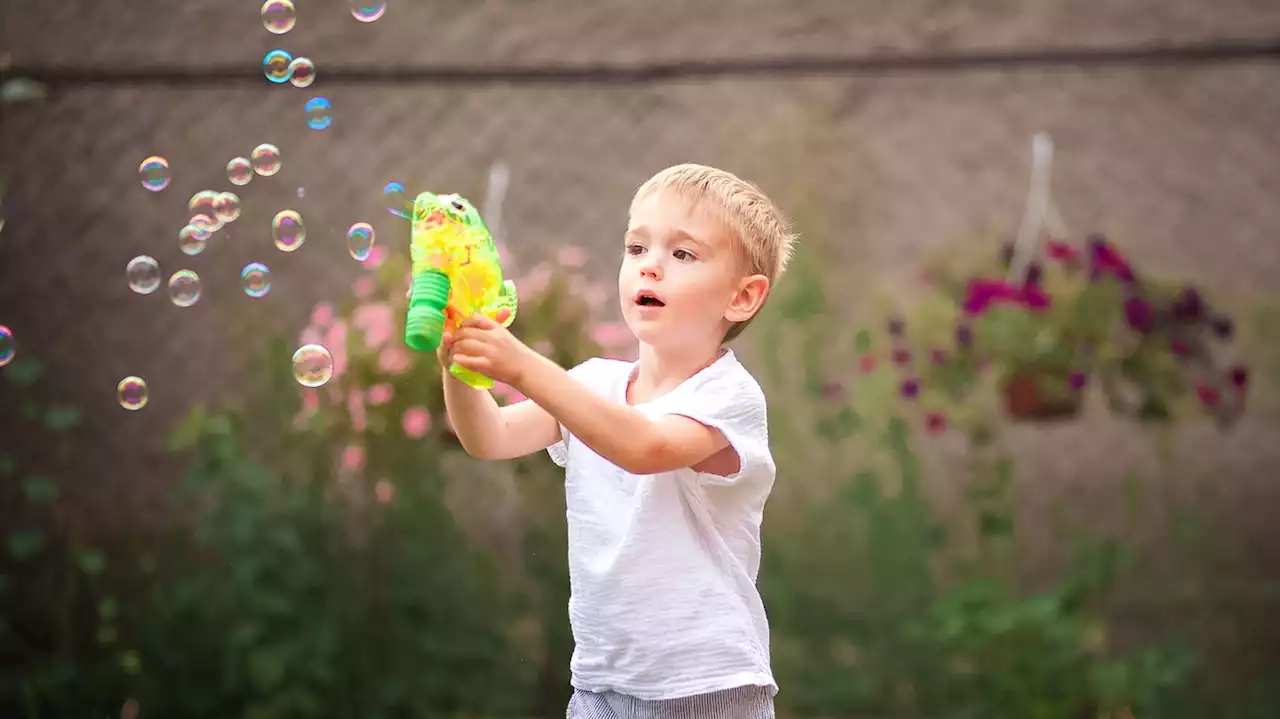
(634, 249)
(683, 255)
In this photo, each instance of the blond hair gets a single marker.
(761, 232)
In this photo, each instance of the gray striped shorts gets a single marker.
(751, 702)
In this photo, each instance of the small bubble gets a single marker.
(312, 365)
(184, 288)
(278, 16)
(7, 346)
(155, 173)
(302, 72)
(256, 279)
(360, 241)
(288, 230)
(226, 207)
(367, 11)
(143, 273)
(132, 392)
(266, 159)
(301, 193)
(276, 66)
(319, 113)
(240, 171)
(396, 200)
(192, 239)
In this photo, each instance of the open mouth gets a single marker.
(645, 298)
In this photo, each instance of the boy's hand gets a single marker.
(485, 346)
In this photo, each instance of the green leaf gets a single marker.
(863, 341)
(108, 609)
(23, 372)
(61, 418)
(25, 543)
(8, 465)
(91, 561)
(39, 489)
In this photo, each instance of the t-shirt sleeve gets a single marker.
(735, 405)
(560, 450)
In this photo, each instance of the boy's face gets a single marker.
(680, 274)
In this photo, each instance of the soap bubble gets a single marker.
(302, 72)
(302, 192)
(132, 392)
(155, 173)
(192, 239)
(396, 200)
(205, 224)
(312, 365)
(288, 230)
(143, 273)
(256, 279)
(276, 66)
(7, 349)
(203, 212)
(360, 241)
(368, 10)
(266, 159)
(318, 111)
(239, 171)
(226, 207)
(278, 16)
(184, 288)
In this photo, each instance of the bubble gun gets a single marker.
(456, 274)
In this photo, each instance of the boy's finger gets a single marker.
(479, 322)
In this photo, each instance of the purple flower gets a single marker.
(1139, 314)
(964, 336)
(1240, 376)
(1189, 306)
(1223, 327)
(938, 356)
(910, 388)
(1077, 380)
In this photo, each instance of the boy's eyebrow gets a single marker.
(643, 231)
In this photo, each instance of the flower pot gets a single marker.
(1025, 399)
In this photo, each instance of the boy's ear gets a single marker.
(750, 296)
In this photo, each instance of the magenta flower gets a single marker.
(1189, 306)
(1056, 250)
(1077, 380)
(901, 356)
(353, 458)
(984, 293)
(1139, 314)
(910, 389)
(380, 394)
(1223, 327)
(1240, 376)
(935, 422)
(1106, 260)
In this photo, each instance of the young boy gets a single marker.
(667, 458)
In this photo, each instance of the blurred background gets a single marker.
(1018, 477)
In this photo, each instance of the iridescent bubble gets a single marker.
(132, 392)
(288, 230)
(226, 207)
(256, 279)
(205, 224)
(396, 200)
(360, 241)
(319, 113)
(278, 16)
(312, 365)
(7, 347)
(202, 210)
(192, 239)
(275, 65)
(155, 173)
(239, 171)
(184, 288)
(266, 159)
(367, 10)
(143, 273)
(302, 192)
(302, 72)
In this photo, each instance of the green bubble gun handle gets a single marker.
(456, 273)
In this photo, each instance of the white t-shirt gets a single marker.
(662, 567)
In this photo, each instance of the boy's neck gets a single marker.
(659, 371)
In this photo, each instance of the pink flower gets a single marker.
(377, 257)
(363, 287)
(384, 490)
(543, 347)
(416, 422)
(380, 394)
(537, 281)
(571, 256)
(353, 458)
(394, 360)
(378, 322)
(612, 335)
(336, 343)
(507, 392)
(596, 294)
(355, 406)
(322, 315)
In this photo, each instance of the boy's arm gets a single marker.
(617, 432)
